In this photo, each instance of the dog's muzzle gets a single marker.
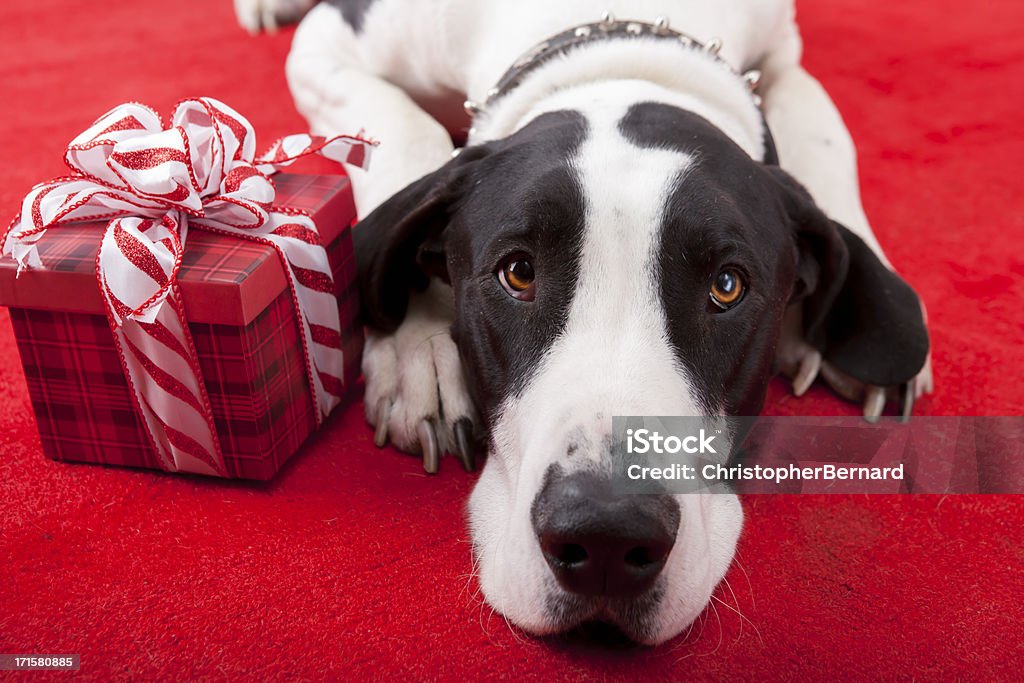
(598, 544)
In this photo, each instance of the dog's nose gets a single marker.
(597, 543)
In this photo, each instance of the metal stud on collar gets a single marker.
(752, 77)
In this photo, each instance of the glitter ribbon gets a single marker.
(152, 184)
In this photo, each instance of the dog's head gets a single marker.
(636, 264)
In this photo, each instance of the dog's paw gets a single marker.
(803, 364)
(875, 398)
(268, 15)
(416, 394)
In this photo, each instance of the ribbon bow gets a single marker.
(153, 184)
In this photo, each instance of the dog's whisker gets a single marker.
(737, 610)
(684, 642)
(689, 629)
(508, 623)
(739, 633)
(466, 586)
(740, 613)
(703, 623)
(513, 630)
(746, 575)
(485, 627)
(474, 573)
(721, 631)
(743, 618)
(722, 602)
(700, 620)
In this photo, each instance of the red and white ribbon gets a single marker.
(153, 184)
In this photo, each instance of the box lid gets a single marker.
(223, 279)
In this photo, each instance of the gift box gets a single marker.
(230, 355)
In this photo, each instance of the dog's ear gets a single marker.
(400, 245)
(864, 318)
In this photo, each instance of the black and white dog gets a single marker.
(616, 238)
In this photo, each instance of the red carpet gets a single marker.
(354, 562)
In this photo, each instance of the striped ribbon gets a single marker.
(152, 184)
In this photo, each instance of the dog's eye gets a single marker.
(517, 277)
(727, 289)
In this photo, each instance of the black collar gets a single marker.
(610, 28)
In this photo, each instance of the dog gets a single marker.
(651, 215)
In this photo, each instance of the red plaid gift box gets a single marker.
(250, 335)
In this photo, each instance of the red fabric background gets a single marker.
(353, 560)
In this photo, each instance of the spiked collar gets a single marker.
(607, 28)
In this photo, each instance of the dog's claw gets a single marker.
(925, 383)
(874, 403)
(428, 445)
(464, 443)
(380, 435)
(810, 364)
(908, 392)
